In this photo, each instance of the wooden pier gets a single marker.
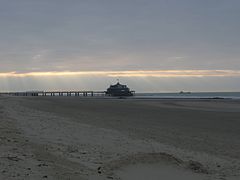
(56, 93)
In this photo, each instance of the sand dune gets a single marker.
(77, 138)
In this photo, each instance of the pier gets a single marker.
(118, 90)
(56, 93)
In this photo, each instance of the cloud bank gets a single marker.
(156, 73)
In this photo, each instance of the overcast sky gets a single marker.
(126, 35)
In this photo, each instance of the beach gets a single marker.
(111, 138)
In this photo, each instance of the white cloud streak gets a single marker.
(139, 73)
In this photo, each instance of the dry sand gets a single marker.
(77, 138)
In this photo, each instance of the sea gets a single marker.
(189, 95)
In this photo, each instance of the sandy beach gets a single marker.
(91, 138)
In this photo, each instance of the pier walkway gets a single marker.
(56, 93)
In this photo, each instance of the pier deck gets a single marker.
(56, 93)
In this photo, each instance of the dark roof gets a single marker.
(118, 85)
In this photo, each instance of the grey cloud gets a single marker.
(77, 35)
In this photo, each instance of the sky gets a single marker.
(150, 45)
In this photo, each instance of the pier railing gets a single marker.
(56, 93)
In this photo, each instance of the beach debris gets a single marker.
(43, 164)
(99, 170)
(83, 152)
(13, 158)
(197, 167)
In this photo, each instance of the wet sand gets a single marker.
(81, 138)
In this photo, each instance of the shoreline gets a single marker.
(134, 97)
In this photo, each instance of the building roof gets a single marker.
(118, 85)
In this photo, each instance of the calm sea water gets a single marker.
(232, 95)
